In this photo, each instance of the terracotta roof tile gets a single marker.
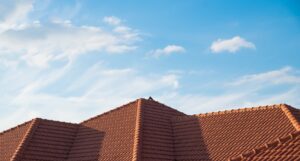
(148, 130)
(10, 140)
(109, 136)
(50, 140)
(220, 135)
(157, 133)
(285, 148)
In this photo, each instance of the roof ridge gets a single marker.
(26, 138)
(152, 100)
(137, 133)
(287, 111)
(245, 109)
(24, 123)
(273, 144)
(15, 127)
(112, 110)
(43, 119)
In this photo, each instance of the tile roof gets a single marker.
(156, 132)
(220, 135)
(285, 149)
(11, 139)
(109, 136)
(148, 130)
(49, 140)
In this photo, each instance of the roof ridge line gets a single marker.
(58, 121)
(15, 127)
(16, 156)
(163, 105)
(137, 132)
(286, 110)
(112, 110)
(273, 144)
(245, 109)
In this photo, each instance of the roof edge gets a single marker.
(15, 127)
(137, 133)
(25, 140)
(112, 110)
(245, 109)
(266, 146)
(166, 106)
(286, 110)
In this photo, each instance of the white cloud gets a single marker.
(96, 90)
(40, 43)
(266, 88)
(76, 89)
(112, 20)
(13, 14)
(168, 50)
(56, 41)
(230, 45)
(282, 76)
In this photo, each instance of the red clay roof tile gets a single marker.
(12, 139)
(285, 148)
(148, 130)
(109, 136)
(220, 135)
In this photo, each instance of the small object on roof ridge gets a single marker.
(150, 98)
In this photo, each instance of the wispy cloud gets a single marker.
(51, 69)
(282, 76)
(97, 89)
(231, 45)
(168, 50)
(270, 87)
(40, 43)
(13, 14)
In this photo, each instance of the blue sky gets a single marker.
(70, 60)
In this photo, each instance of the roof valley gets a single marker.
(148, 130)
(74, 139)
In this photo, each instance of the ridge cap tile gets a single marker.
(287, 111)
(139, 106)
(162, 104)
(112, 110)
(137, 140)
(238, 110)
(17, 126)
(279, 141)
(25, 140)
(56, 121)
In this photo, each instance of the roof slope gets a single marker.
(11, 139)
(156, 131)
(109, 136)
(140, 130)
(150, 131)
(48, 141)
(222, 134)
(285, 148)
(188, 140)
